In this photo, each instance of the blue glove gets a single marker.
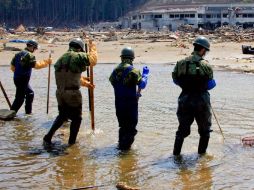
(144, 79)
(145, 71)
(211, 84)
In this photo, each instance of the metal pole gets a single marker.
(48, 83)
(5, 95)
(217, 121)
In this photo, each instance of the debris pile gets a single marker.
(181, 38)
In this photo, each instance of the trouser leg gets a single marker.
(127, 116)
(75, 114)
(204, 120)
(178, 146)
(21, 86)
(203, 144)
(185, 118)
(74, 129)
(56, 125)
(29, 100)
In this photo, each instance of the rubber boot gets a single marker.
(203, 144)
(56, 125)
(178, 146)
(74, 129)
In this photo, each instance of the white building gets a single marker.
(207, 16)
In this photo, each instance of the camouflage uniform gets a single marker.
(125, 79)
(23, 62)
(68, 71)
(192, 75)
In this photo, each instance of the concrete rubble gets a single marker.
(181, 38)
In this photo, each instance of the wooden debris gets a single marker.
(124, 186)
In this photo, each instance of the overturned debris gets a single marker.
(247, 49)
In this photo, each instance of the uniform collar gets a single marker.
(72, 49)
(196, 56)
(127, 61)
(28, 50)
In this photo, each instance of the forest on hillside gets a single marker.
(63, 12)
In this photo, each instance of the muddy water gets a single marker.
(95, 161)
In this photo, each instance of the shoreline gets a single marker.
(225, 56)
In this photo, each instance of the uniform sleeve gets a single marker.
(92, 55)
(111, 78)
(29, 60)
(174, 73)
(13, 63)
(83, 60)
(136, 76)
(207, 69)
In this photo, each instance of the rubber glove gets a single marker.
(84, 81)
(211, 84)
(144, 79)
(43, 63)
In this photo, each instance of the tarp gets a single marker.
(7, 114)
(18, 41)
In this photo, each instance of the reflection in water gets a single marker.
(25, 164)
(127, 168)
(194, 173)
(71, 171)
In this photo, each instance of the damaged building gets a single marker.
(209, 16)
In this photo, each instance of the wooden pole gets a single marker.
(92, 99)
(91, 92)
(5, 95)
(48, 83)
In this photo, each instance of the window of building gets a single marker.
(157, 16)
(181, 15)
(225, 15)
(134, 17)
(177, 16)
(186, 16)
(171, 16)
(244, 15)
(250, 15)
(200, 16)
(192, 15)
(208, 16)
(218, 15)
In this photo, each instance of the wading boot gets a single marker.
(74, 129)
(178, 146)
(203, 143)
(56, 125)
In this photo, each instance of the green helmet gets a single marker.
(127, 53)
(77, 41)
(32, 43)
(202, 41)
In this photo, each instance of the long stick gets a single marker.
(88, 75)
(217, 121)
(48, 84)
(5, 95)
(90, 93)
(92, 99)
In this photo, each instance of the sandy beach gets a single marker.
(222, 55)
